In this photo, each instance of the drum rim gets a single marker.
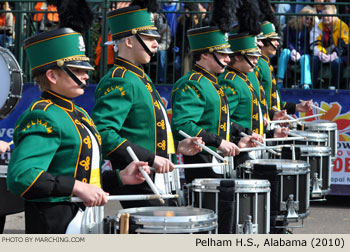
(311, 134)
(321, 125)
(204, 216)
(239, 183)
(316, 150)
(16, 84)
(296, 163)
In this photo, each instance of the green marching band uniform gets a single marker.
(267, 78)
(56, 142)
(128, 110)
(243, 98)
(199, 104)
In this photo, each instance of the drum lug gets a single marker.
(291, 206)
(247, 227)
(316, 186)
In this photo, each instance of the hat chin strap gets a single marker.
(217, 60)
(148, 51)
(73, 76)
(269, 41)
(249, 62)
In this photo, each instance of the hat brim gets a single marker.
(225, 50)
(80, 64)
(257, 54)
(150, 33)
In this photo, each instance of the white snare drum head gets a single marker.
(5, 80)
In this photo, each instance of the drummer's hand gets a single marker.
(131, 175)
(188, 146)
(258, 137)
(90, 194)
(280, 115)
(162, 165)
(266, 122)
(280, 132)
(228, 148)
(4, 146)
(304, 106)
(247, 142)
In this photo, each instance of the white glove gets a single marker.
(324, 58)
(294, 56)
(333, 56)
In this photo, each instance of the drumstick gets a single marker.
(295, 135)
(124, 223)
(260, 148)
(133, 197)
(289, 117)
(314, 106)
(10, 143)
(260, 144)
(144, 174)
(284, 139)
(308, 117)
(207, 149)
(201, 165)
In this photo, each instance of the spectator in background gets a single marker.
(190, 19)
(6, 25)
(289, 8)
(48, 20)
(297, 42)
(163, 46)
(330, 45)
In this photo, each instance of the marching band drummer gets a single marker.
(245, 104)
(266, 75)
(128, 110)
(57, 147)
(200, 106)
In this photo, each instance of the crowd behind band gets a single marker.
(298, 34)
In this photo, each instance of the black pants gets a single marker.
(2, 223)
(48, 218)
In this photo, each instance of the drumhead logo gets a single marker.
(81, 44)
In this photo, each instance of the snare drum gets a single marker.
(242, 208)
(319, 158)
(311, 138)
(164, 220)
(290, 183)
(329, 128)
(9, 202)
(11, 82)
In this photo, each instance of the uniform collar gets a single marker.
(130, 66)
(237, 72)
(203, 71)
(60, 100)
(264, 57)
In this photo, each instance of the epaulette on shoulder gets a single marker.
(195, 77)
(230, 76)
(41, 105)
(119, 72)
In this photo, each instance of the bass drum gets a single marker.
(12, 82)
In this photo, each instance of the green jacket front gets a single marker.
(52, 150)
(125, 115)
(197, 106)
(268, 81)
(243, 100)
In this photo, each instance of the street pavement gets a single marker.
(326, 217)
